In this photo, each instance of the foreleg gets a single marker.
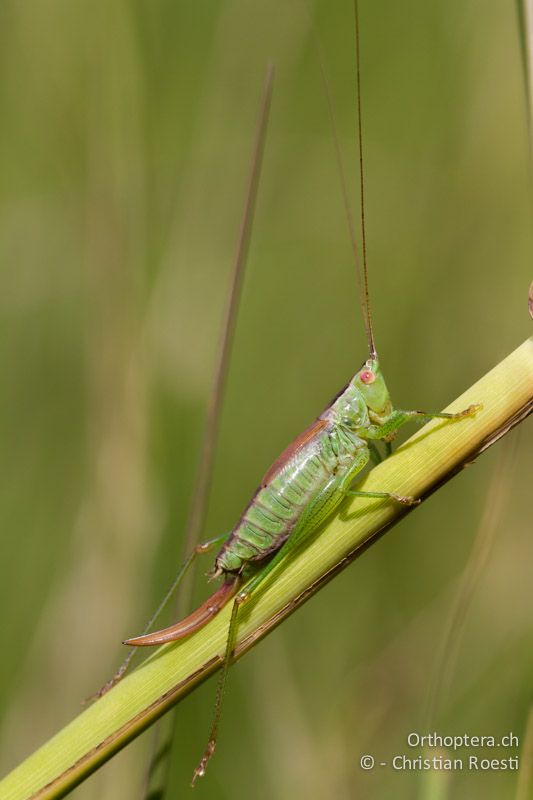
(398, 418)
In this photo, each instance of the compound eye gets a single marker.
(367, 376)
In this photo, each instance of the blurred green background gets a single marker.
(124, 148)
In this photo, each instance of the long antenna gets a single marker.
(362, 278)
(365, 299)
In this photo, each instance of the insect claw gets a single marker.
(107, 686)
(199, 772)
(471, 410)
(405, 501)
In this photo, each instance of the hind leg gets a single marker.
(200, 549)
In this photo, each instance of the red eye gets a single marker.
(367, 376)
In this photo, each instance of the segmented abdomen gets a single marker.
(287, 489)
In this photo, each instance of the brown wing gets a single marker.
(300, 441)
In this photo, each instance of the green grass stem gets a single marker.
(427, 460)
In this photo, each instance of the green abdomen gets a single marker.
(276, 507)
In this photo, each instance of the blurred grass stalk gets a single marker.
(426, 461)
